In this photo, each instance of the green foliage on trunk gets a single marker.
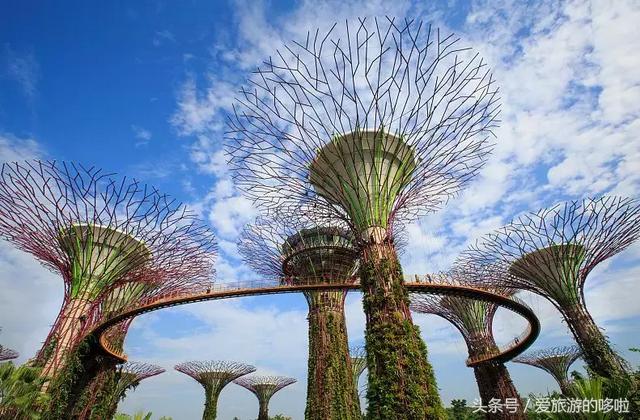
(331, 393)
(401, 380)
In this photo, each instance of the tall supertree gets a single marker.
(474, 319)
(551, 252)
(114, 385)
(264, 387)
(98, 231)
(375, 123)
(555, 361)
(303, 253)
(213, 376)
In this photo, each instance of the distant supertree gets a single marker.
(556, 361)
(213, 376)
(299, 253)
(7, 354)
(98, 232)
(114, 385)
(358, 365)
(264, 387)
(358, 362)
(551, 252)
(375, 123)
(474, 319)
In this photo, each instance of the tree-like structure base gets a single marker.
(401, 380)
(494, 381)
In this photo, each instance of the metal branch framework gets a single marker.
(323, 108)
(375, 123)
(293, 252)
(551, 252)
(98, 231)
(474, 319)
(555, 361)
(213, 376)
(264, 387)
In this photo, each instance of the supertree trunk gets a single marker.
(331, 393)
(401, 380)
(263, 411)
(210, 404)
(65, 333)
(597, 352)
(493, 378)
(494, 381)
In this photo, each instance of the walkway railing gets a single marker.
(414, 284)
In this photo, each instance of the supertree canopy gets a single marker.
(294, 252)
(556, 361)
(98, 232)
(375, 123)
(474, 319)
(213, 376)
(264, 387)
(551, 252)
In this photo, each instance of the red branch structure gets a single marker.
(375, 123)
(304, 253)
(213, 376)
(474, 319)
(555, 361)
(98, 232)
(551, 252)
(264, 387)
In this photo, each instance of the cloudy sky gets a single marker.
(142, 89)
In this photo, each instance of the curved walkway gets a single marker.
(231, 290)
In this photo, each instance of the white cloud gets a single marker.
(23, 68)
(13, 148)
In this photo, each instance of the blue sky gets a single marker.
(142, 89)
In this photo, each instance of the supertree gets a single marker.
(293, 252)
(474, 319)
(98, 232)
(375, 123)
(121, 298)
(264, 387)
(358, 364)
(555, 361)
(114, 385)
(213, 376)
(551, 252)
(7, 354)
